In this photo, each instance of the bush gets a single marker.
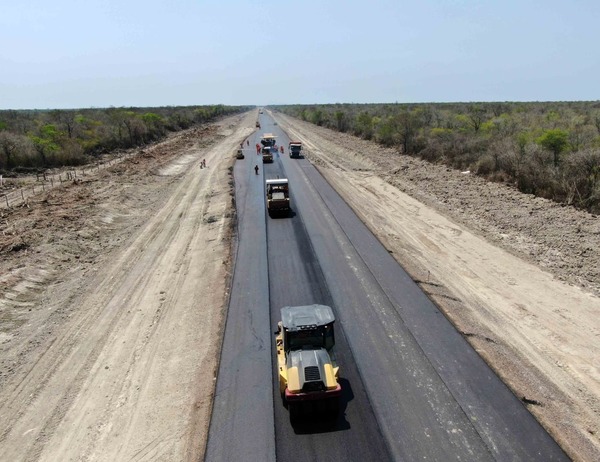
(15, 150)
(486, 165)
(525, 143)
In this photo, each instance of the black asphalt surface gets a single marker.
(295, 278)
(241, 426)
(414, 389)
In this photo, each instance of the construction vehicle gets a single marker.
(268, 145)
(278, 196)
(295, 149)
(308, 373)
(268, 139)
(267, 154)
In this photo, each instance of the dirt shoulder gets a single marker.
(519, 276)
(113, 290)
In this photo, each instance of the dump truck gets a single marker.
(308, 372)
(278, 196)
(295, 149)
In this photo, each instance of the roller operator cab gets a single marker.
(308, 372)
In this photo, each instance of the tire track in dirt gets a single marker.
(102, 319)
(184, 235)
(116, 382)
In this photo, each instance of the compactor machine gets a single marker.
(308, 373)
(278, 195)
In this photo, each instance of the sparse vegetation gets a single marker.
(37, 139)
(549, 149)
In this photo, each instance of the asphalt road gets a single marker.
(414, 389)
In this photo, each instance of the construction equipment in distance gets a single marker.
(295, 149)
(268, 145)
(278, 196)
(268, 139)
(267, 154)
(308, 373)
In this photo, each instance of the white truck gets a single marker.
(295, 149)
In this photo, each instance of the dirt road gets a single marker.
(109, 346)
(112, 292)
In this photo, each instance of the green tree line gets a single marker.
(549, 149)
(39, 139)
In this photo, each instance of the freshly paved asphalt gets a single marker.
(241, 426)
(414, 389)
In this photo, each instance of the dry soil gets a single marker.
(113, 290)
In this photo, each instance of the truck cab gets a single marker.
(295, 149)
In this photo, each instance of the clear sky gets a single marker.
(101, 53)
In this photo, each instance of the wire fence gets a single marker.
(45, 181)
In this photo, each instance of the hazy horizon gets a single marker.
(101, 54)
